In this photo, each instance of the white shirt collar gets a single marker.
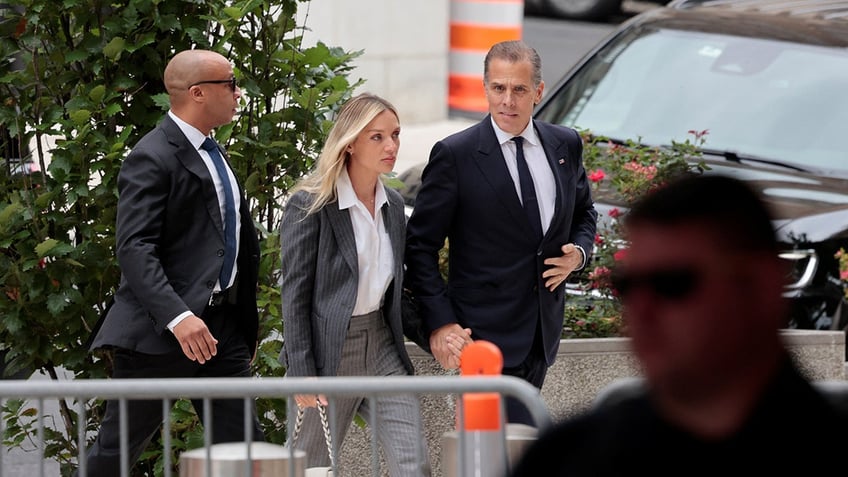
(194, 136)
(347, 197)
(529, 134)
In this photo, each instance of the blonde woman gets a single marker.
(342, 241)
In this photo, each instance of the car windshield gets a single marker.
(759, 98)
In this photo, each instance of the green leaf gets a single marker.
(7, 213)
(113, 49)
(80, 116)
(56, 303)
(233, 12)
(97, 93)
(112, 109)
(45, 247)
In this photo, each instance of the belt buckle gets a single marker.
(218, 298)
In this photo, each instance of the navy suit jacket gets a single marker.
(170, 242)
(495, 285)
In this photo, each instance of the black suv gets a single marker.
(768, 80)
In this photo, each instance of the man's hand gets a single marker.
(561, 267)
(447, 342)
(197, 342)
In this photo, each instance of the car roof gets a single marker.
(816, 9)
(823, 22)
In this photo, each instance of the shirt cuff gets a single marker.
(583, 261)
(176, 321)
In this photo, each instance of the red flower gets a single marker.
(597, 176)
(614, 212)
(620, 255)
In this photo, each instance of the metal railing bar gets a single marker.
(166, 435)
(248, 436)
(207, 433)
(81, 440)
(124, 438)
(39, 432)
(278, 387)
(372, 426)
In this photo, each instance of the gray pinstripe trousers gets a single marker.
(369, 351)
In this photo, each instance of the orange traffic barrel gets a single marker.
(476, 25)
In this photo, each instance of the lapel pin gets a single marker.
(562, 160)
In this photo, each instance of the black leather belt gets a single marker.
(223, 297)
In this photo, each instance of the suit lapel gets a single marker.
(191, 161)
(556, 152)
(492, 165)
(396, 231)
(340, 222)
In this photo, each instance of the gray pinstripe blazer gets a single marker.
(319, 282)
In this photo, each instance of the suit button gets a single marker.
(210, 284)
(221, 252)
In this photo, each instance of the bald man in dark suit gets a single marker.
(189, 258)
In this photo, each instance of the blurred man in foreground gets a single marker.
(702, 292)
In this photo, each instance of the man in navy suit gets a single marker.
(189, 258)
(519, 218)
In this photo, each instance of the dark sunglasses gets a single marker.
(668, 284)
(230, 82)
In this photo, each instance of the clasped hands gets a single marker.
(446, 344)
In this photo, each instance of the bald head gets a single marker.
(198, 87)
(188, 67)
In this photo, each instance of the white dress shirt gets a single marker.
(540, 170)
(373, 246)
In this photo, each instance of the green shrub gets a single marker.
(620, 174)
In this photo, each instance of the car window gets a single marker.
(757, 97)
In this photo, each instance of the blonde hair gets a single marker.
(352, 119)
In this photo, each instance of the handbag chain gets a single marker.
(298, 423)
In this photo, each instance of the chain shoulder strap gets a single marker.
(325, 425)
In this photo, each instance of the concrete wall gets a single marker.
(405, 47)
(583, 368)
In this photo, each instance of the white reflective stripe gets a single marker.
(487, 13)
(466, 62)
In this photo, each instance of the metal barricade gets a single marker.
(169, 390)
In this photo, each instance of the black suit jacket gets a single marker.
(495, 284)
(170, 243)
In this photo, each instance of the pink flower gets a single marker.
(699, 134)
(647, 171)
(597, 176)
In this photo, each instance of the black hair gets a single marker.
(727, 205)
